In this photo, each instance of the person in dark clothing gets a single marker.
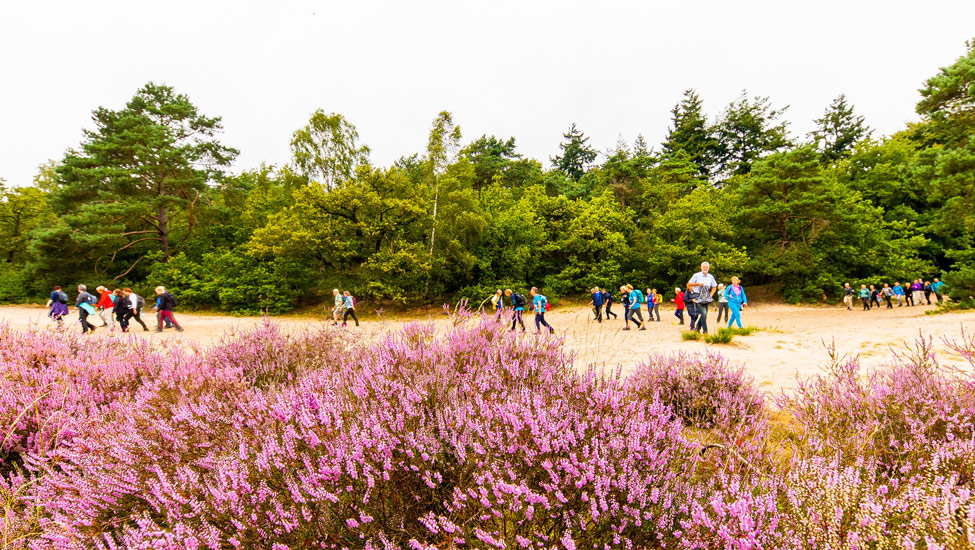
(348, 303)
(597, 304)
(927, 291)
(518, 308)
(58, 302)
(121, 309)
(874, 296)
(164, 309)
(887, 294)
(85, 304)
(908, 294)
(625, 297)
(608, 300)
(136, 303)
(691, 307)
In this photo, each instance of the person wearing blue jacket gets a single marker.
(597, 304)
(735, 295)
(636, 300)
(540, 303)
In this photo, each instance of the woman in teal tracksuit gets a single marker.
(735, 295)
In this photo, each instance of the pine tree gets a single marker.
(838, 131)
(577, 155)
(689, 132)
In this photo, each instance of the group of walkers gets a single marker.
(120, 305)
(539, 304)
(914, 293)
(702, 289)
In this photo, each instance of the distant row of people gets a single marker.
(121, 305)
(702, 289)
(539, 304)
(916, 292)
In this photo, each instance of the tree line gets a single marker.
(147, 199)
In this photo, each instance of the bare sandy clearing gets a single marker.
(791, 344)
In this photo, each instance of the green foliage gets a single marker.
(690, 134)
(690, 335)
(135, 185)
(577, 155)
(327, 149)
(838, 131)
(724, 335)
(143, 201)
(747, 131)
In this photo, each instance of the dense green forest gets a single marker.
(147, 198)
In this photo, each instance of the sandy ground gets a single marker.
(791, 344)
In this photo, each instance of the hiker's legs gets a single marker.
(702, 320)
(735, 316)
(350, 312)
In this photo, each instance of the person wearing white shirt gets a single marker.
(705, 285)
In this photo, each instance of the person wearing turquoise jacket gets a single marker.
(936, 287)
(636, 299)
(540, 304)
(735, 295)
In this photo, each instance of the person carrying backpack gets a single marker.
(518, 308)
(58, 302)
(86, 306)
(348, 303)
(164, 309)
(136, 303)
(636, 300)
(540, 303)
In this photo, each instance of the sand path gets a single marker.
(791, 343)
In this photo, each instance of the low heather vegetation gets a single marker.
(470, 438)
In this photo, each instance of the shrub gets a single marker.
(688, 335)
(723, 336)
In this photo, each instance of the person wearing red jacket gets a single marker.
(105, 305)
(679, 302)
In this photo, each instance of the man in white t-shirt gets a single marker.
(704, 284)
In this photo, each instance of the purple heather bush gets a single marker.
(470, 437)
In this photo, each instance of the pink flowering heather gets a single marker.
(467, 438)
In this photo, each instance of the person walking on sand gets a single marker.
(690, 306)
(597, 304)
(898, 292)
(165, 305)
(705, 286)
(86, 306)
(936, 287)
(608, 300)
(625, 297)
(875, 296)
(657, 298)
(736, 301)
(927, 292)
(137, 303)
(105, 306)
(636, 300)
(337, 306)
(348, 304)
(908, 295)
(848, 293)
(121, 309)
(517, 308)
(58, 304)
(540, 305)
(917, 290)
(887, 294)
(722, 302)
(679, 304)
(498, 302)
(865, 297)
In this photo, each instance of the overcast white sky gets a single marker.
(509, 68)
